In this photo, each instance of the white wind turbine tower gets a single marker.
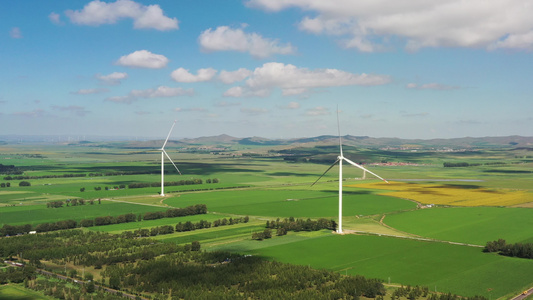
(163, 154)
(339, 160)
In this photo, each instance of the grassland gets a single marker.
(267, 188)
(449, 268)
(17, 292)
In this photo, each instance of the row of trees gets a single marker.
(465, 164)
(10, 230)
(23, 177)
(70, 202)
(9, 169)
(182, 227)
(292, 224)
(8, 184)
(522, 250)
(167, 183)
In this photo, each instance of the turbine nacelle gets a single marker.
(339, 160)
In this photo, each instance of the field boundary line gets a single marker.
(129, 202)
(414, 238)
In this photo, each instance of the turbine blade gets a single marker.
(364, 169)
(339, 130)
(171, 161)
(326, 171)
(168, 135)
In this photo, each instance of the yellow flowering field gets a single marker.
(448, 194)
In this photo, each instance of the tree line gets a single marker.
(292, 224)
(10, 230)
(522, 250)
(170, 183)
(183, 227)
(465, 164)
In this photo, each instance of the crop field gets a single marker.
(484, 202)
(310, 203)
(36, 214)
(16, 292)
(473, 225)
(453, 194)
(444, 267)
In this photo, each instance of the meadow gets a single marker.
(267, 187)
(439, 266)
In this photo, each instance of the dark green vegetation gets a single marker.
(267, 183)
(144, 266)
(513, 250)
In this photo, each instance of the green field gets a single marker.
(267, 187)
(467, 224)
(17, 292)
(296, 202)
(37, 214)
(449, 268)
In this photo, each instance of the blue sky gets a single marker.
(276, 69)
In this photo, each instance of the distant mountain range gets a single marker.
(225, 140)
(359, 141)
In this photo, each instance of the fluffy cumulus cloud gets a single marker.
(183, 75)
(143, 59)
(224, 38)
(159, 92)
(368, 25)
(113, 78)
(97, 12)
(293, 80)
(229, 77)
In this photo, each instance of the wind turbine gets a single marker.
(163, 154)
(339, 160)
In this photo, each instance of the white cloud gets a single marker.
(55, 18)
(143, 59)
(291, 105)
(235, 91)
(225, 38)
(89, 91)
(15, 33)
(431, 86)
(113, 78)
(368, 25)
(159, 92)
(96, 13)
(293, 80)
(234, 76)
(183, 75)
(317, 111)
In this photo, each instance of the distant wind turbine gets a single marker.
(163, 154)
(339, 160)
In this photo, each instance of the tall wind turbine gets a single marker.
(339, 160)
(163, 154)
